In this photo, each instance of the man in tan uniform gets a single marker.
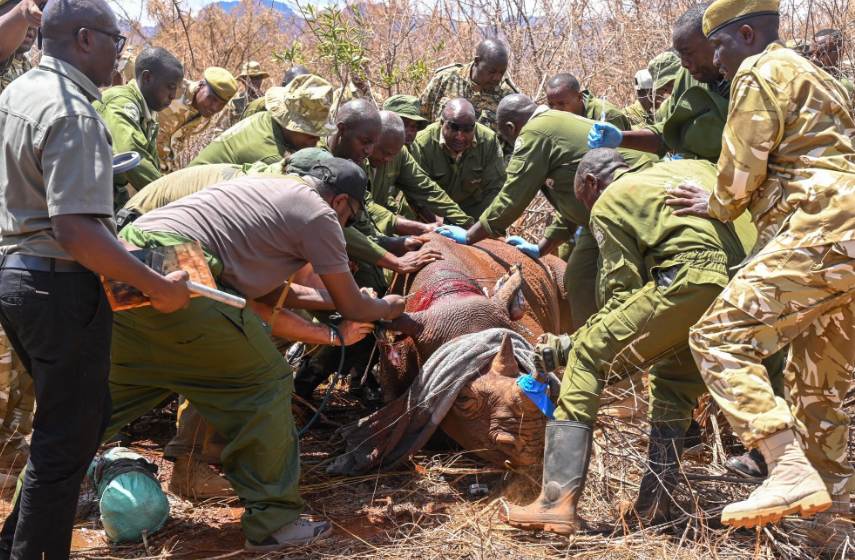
(787, 158)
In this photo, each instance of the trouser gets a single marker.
(580, 278)
(222, 360)
(800, 297)
(652, 325)
(17, 399)
(60, 326)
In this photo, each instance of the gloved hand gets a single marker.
(529, 249)
(604, 135)
(551, 352)
(456, 233)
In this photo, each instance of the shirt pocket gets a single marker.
(472, 187)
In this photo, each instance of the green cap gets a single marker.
(664, 69)
(407, 107)
(302, 161)
(697, 123)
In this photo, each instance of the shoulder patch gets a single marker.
(599, 235)
(519, 144)
(132, 111)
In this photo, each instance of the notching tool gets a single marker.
(154, 260)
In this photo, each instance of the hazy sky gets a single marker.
(134, 7)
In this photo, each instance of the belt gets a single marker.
(40, 264)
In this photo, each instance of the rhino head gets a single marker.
(494, 418)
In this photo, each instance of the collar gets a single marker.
(72, 73)
(467, 72)
(146, 111)
(540, 109)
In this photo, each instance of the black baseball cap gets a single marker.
(344, 175)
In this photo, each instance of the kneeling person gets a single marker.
(660, 272)
(256, 232)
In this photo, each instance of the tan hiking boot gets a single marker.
(12, 461)
(793, 486)
(194, 479)
(832, 530)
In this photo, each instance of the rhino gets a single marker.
(452, 360)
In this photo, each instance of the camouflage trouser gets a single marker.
(800, 297)
(17, 398)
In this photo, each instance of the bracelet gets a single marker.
(332, 336)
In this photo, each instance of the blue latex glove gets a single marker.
(529, 249)
(538, 393)
(456, 233)
(604, 135)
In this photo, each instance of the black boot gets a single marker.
(311, 373)
(750, 464)
(565, 467)
(664, 450)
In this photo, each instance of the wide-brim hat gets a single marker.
(697, 123)
(253, 69)
(303, 105)
(664, 69)
(407, 107)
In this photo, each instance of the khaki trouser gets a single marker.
(800, 297)
(17, 399)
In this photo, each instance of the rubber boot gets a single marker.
(656, 491)
(793, 486)
(566, 456)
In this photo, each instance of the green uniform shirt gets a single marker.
(134, 129)
(258, 138)
(594, 111)
(546, 155)
(473, 178)
(257, 106)
(636, 231)
(183, 182)
(638, 116)
(403, 174)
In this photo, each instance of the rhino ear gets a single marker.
(505, 363)
(409, 324)
(508, 295)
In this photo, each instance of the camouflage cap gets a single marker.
(664, 69)
(407, 107)
(303, 105)
(302, 161)
(725, 12)
(222, 82)
(252, 69)
(697, 123)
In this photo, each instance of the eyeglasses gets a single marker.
(120, 40)
(456, 127)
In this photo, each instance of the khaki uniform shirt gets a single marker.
(15, 67)
(787, 153)
(55, 158)
(614, 116)
(258, 138)
(454, 81)
(472, 178)
(178, 123)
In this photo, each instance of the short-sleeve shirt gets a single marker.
(56, 157)
(263, 230)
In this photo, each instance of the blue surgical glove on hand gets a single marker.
(456, 233)
(604, 135)
(529, 249)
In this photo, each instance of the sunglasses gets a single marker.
(120, 40)
(457, 127)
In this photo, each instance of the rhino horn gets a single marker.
(505, 363)
(507, 295)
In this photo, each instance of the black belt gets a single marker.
(40, 264)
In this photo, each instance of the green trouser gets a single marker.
(652, 325)
(580, 278)
(474, 209)
(222, 360)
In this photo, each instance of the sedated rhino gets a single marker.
(456, 355)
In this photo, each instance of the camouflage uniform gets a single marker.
(178, 123)
(789, 160)
(127, 65)
(15, 67)
(454, 81)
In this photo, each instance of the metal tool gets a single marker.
(154, 260)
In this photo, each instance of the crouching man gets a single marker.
(660, 272)
(256, 233)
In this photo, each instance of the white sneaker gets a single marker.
(298, 532)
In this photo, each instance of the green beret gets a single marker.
(697, 123)
(664, 69)
(222, 82)
(407, 107)
(724, 12)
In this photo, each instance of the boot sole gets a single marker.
(550, 526)
(188, 496)
(290, 544)
(815, 503)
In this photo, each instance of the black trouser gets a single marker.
(60, 325)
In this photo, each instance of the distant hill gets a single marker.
(277, 5)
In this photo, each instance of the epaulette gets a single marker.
(449, 67)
